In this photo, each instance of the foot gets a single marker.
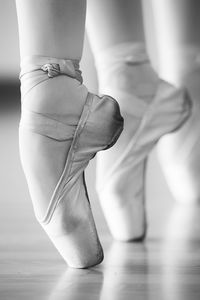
(61, 129)
(151, 108)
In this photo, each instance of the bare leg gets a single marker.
(177, 26)
(51, 28)
(116, 33)
(56, 142)
(177, 40)
(111, 22)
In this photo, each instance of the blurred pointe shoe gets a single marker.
(179, 153)
(56, 145)
(151, 107)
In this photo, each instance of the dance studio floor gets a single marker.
(165, 266)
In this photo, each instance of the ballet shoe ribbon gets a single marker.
(51, 69)
(52, 66)
(65, 67)
(31, 67)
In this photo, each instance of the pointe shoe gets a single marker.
(56, 148)
(151, 107)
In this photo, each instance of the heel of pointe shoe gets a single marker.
(128, 230)
(104, 124)
(174, 104)
(116, 120)
(124, 224)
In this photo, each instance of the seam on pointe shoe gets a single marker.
(40, 123)
(69, 161)
(46, 116)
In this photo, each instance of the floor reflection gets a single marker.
(77, 284)
(167, 268)
(125, 272)
(181, 255)
(123, 275)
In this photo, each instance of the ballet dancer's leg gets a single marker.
(62, 125)
(124, 71)
(46, 29)
(122, 23)
(178, 41)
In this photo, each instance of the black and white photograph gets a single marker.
(99, 150)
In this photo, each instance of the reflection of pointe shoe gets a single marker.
(179, 153)
(125, 265)
(55, 149)
(151, 108)
(77, 284)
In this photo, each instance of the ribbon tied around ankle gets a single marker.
(64, 67)
(52, 69)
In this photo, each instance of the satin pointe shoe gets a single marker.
(62, 127)
(151, 107)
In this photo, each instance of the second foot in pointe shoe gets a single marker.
(62, 127)
(151, 108)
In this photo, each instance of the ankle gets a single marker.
(52, 86)
(59, 96)
(125, 71)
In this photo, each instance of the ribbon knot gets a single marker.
(52, 69)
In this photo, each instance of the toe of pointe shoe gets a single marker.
(131, 237)
(126, 222)
(137, 237)
(80, 249)
(72, 230)
(88, 262)
(85, 260)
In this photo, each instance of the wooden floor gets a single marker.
(166, 266)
